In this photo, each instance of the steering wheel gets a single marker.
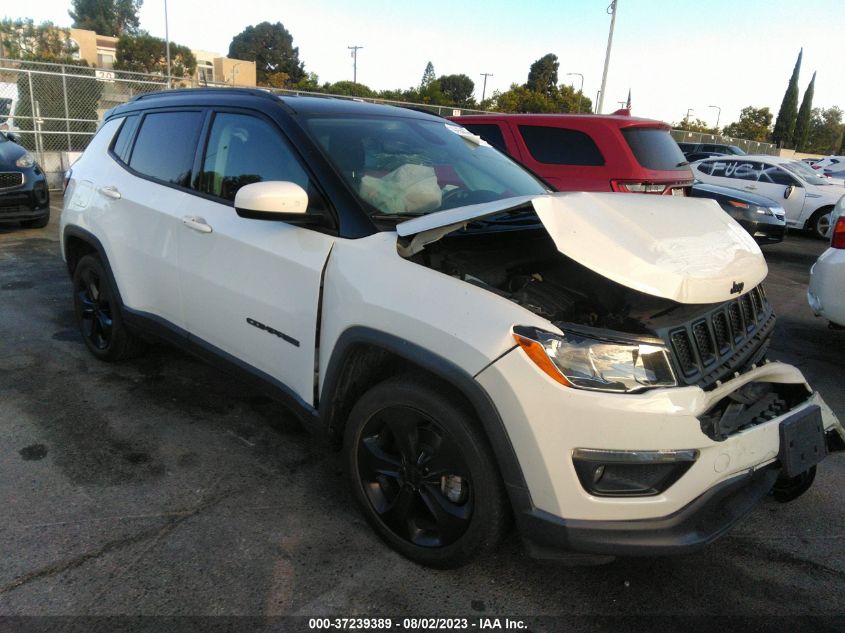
(461, 197)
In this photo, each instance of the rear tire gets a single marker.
(98, 313)
(423, 473)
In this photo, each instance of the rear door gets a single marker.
(251, 287)
(148, 192)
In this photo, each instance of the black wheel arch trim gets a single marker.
(443, 368)
(90, 239)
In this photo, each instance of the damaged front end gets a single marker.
(671, 297)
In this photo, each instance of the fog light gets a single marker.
(608, 473)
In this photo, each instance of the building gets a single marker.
(101, 51)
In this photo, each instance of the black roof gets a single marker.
(293, 103)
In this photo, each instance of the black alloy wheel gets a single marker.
(98, 313)
(95, 309)
(423, 472)
(414, 477)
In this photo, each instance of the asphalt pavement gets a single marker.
(161, 486)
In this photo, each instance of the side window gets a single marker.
(166, 146)
(243, 149)
(490, 132)
(746, 171)
(120, 147)
(560, 146)
(777, 176)
(705, 168)
(722, 168)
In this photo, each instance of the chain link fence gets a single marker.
(749, 147)
(56, 108)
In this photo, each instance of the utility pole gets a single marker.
(167, 44)
(611, 9)
(718, 115)
(689, 111)
(580, 90)
(484, 89)
(354, 50)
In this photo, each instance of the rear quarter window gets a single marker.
(120, 147)
(561, 146)
(166, 145)
(654, 148)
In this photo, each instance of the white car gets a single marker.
(591, 364)
(807, 196)
(826, 294)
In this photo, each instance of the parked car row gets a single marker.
(591, 363)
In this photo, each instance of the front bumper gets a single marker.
(547, 422)
(29, 201)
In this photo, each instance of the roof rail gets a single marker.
(256, 92)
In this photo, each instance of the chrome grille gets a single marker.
(10, 179)
(723, 341)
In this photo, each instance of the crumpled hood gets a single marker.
(684, 249)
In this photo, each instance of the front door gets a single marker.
(251, 287)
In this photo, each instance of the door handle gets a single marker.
(110, 192)
(750, 187)
(197, 224)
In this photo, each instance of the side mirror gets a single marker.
(272, 200)
(14, 137)
(787, 193)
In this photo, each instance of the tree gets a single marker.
(457, 90)
(147, 54)
(106, 17)
(428, 75)
(695, 126)
(802, 125)
(349, 88)
(825, 132)
(271, 47)
(23, 39)
(788, 113)
(522, 99)
(542, 76)
(753, 124)
(570, 100)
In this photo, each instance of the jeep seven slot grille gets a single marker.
(728, 339)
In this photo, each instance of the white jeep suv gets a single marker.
(592, 365)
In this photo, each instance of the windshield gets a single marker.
(806, 172)
(409, 167)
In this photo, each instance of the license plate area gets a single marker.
(802, 441)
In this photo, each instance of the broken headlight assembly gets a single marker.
(589, 361)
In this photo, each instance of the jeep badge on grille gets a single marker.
(737, 287)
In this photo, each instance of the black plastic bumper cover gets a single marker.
(693, 526)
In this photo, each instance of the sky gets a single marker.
(673, 55)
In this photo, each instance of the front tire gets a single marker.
(819, 224)
(423, 473)
(98, 313)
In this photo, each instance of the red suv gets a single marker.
(589, 152)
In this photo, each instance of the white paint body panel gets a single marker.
(685, 249)
(826, 292)
(137, 230)
(547, 421)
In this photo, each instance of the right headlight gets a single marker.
(587, 362)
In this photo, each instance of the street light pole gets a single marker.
(167, 44)
(484, 89)
(718, 115)
(354, 50)
(580, 90)
(611, 9)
